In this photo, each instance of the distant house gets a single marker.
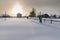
(19, 15)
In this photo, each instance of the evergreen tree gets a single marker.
(32, 14)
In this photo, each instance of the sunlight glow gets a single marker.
(17, 9)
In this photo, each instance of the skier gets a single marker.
(40, 19)
(27, 17)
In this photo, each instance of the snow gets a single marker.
(28, 29)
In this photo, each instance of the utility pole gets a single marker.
(5, 15)
(40, 12)
(51, 19)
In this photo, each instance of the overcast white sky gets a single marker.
(46, 6)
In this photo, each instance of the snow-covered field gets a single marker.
(28, 29)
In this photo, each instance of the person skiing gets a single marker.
(27, 17)
(40, 18)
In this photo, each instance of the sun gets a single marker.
(17, 8)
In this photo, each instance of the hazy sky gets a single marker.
(45, 6)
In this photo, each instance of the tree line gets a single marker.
(33, 14)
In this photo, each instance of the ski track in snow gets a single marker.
(28, 29)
